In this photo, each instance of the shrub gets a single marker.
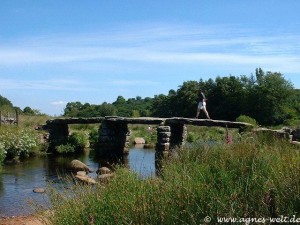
(292, 122)
(79, 140)
(2, 153)
(246, 119)
(18, 142)
(65, 148)
(191, 137)
(93, 137)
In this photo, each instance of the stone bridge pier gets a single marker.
(169, 137)
(58, 134)
(114, 137)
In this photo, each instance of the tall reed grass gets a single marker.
(233, 180)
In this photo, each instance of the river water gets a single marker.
(18, 181)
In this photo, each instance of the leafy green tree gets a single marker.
(187, 99)
(130, 107)
(6, 106)
(161, 105)
(122, 107)
(107, 110)
(135, 113)
(295, 103)
(77, 109)
(271, 95)
(28, 111)
(227, 98)
(5, 101)
(73, 108)
(266, 97)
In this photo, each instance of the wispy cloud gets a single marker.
(46, 84)
(77, 85)
(59, 103)
(158, 44)
(121, 82)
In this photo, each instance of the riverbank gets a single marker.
(21, 220)
(249, 177)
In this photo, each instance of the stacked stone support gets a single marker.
(179, 135)
(114, 137)
(163, 138)
(162, 146)
(296, 135)
(58, 134)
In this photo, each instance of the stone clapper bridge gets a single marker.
(114, 134)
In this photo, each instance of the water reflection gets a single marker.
(18, 181)
(143, 162)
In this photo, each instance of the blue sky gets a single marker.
(54, 52)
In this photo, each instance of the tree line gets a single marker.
(6, 106)
(266, 97)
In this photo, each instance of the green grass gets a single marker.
(206, 134)
(32, 121)
(217, 181)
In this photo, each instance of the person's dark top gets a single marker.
(201, 96)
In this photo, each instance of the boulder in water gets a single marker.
(77, 165)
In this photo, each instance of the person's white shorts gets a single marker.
(201, 105)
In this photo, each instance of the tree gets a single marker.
(5, 101)
(272, 94)
(5, 105)
(266, 96)
(161, 105)
(107, 110)
(120, 101)
(28, 111)
(227, 99)
(186, 99)
(72, 108)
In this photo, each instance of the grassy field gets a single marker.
(252, 178)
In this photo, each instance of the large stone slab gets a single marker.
(151, 120)
(207, 122)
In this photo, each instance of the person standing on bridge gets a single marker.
(202, 104)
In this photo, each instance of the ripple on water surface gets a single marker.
(18, 181)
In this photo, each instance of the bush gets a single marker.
(246, 119)
(18, 142)
(292, 122)
(75, 143)
(2, 153)
(65, 148)
(79, 140)
(93, 137)
(191, 137)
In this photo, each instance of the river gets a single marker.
(18, 181)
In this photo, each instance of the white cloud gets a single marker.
(121, 82)
(59, 103)
(46, 84)
(157, 44)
